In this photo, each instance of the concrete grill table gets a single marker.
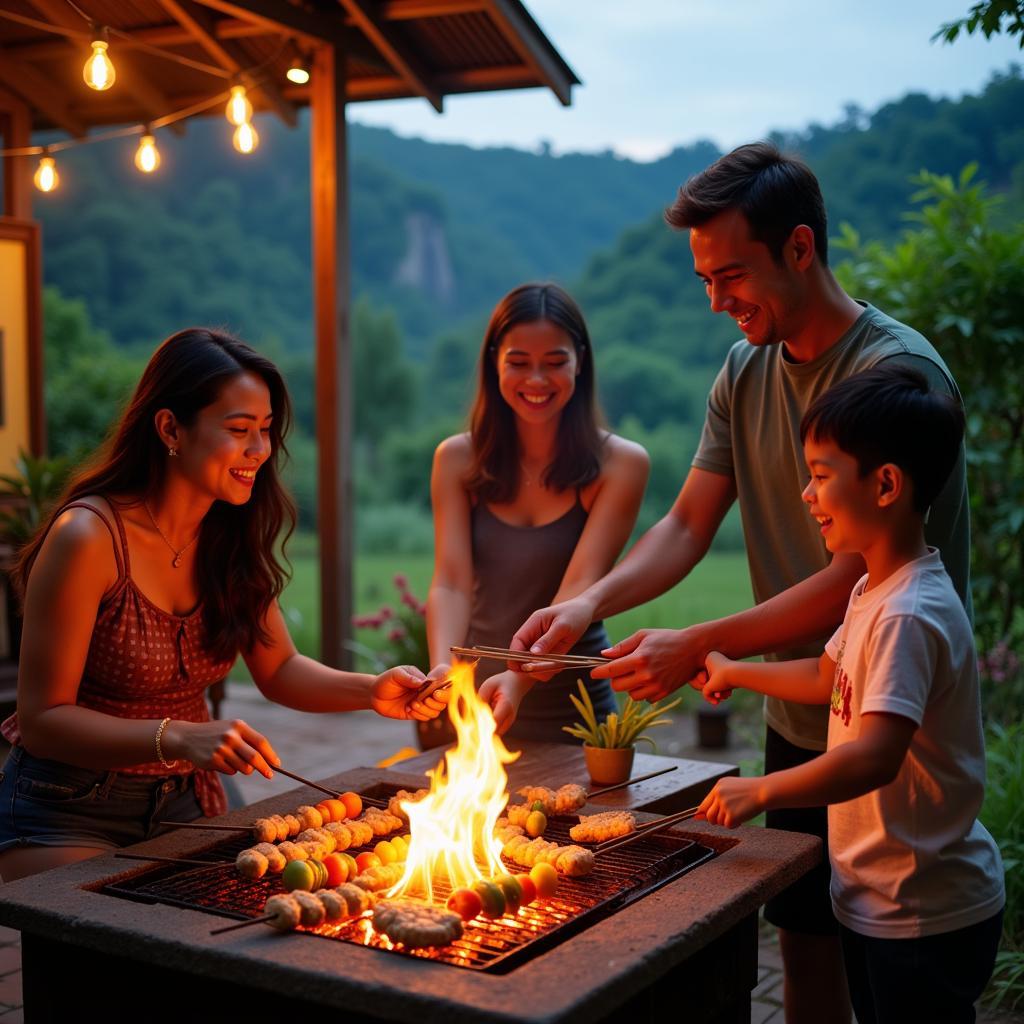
(686, 951)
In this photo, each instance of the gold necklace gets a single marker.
(163, 536)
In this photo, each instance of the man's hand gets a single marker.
(504, 692)
(552, 630)
(734, 801)
(653, 662)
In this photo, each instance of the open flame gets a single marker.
(452, 827)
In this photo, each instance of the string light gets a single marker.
(245, 139)
(99, 71)
(46, 178)
(298, 70)
(239, 109)
(147, 156)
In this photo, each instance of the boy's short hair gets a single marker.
(774, 191)
(889, 414)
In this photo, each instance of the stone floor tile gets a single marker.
(15, 1016)
(9, 935)
(10, 958)
(771, 981)
(760, 1013)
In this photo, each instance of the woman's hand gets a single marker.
(504, 693)
(394, 695)
(227, 747)
(715, 685)
(734, 801)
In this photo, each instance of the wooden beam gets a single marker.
(16, 133)
(228, 54)
(276, 16)
(39, 92)
(523, 35)
(331, 301)
(397, 53)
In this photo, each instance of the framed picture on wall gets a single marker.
(22, 423)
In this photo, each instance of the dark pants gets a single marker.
(935, 978)
(806, 906)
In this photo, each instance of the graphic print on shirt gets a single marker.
(842, 689)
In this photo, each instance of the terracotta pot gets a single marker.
(608, 765)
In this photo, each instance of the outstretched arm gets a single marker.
(844, 773)
(804, 681)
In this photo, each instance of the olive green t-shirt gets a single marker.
(752, 433)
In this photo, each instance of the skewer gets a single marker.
(242, 924)
(645, 830)
(172, 860)
(306, 782)
(629, 782)
(499, 653)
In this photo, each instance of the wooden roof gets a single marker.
(394, 49)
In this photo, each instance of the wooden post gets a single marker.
(15, 130)
(331, 297)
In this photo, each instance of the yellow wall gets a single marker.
(14, 431)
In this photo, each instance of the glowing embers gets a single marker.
(453, 825)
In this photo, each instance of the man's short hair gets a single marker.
(888, 414)
(773, 191)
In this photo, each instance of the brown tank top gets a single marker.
(144, 662)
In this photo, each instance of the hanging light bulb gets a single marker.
(239, 109)
(298, 70)
(245, 139)
(147, 156)
(46, 178)
(99, 71)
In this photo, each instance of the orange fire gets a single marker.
(452, 828)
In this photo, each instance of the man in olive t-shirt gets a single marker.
(758, 234)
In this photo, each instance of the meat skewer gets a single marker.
(649, 828)
(288, 910)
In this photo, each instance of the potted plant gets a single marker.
(609, 745)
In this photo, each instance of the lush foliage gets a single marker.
(405, 629)
(29, 492)
(988, 16)
(958, 277)
(616, 729)
(1003, 816)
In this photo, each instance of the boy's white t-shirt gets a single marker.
(911, 859)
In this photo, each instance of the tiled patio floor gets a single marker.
(316, 746)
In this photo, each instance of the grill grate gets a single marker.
(619, 878)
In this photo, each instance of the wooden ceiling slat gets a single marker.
(397, 52)
(276, 15)
(39, 92)
(512, 19)
(228, 54)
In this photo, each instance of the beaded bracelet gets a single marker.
(159, 748)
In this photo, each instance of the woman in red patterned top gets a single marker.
(157, 569)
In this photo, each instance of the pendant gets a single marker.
(177, 560)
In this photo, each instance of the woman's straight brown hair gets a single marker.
(494, 473)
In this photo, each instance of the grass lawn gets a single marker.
(718, 586)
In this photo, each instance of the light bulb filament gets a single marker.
(239, 109)
(99, 71)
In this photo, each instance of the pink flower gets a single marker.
(364, 622)
(396, 634)
(386, 612)
(409, 600)
(401, 581)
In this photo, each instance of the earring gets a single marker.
(173, 452)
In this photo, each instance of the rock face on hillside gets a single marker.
(426, 264)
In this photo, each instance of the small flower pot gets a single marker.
(608, 765)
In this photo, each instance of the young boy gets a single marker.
(917, 881)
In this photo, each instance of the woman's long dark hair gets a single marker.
(238, 571)
(495, 470)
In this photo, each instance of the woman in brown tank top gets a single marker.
(157, 569)
(533, 504)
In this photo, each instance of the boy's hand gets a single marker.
(733, 801)
(394, 695)
(715, 687)
(504, 693)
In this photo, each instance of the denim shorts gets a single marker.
(48, 803)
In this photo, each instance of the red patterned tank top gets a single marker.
(144, 662)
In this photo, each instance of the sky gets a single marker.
(662, 73)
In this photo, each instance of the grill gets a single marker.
(619, 878)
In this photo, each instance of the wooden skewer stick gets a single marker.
(645, 830)
(199, 824)
(172, 860)
(242, 924)
(306, 782)
(629, 782)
